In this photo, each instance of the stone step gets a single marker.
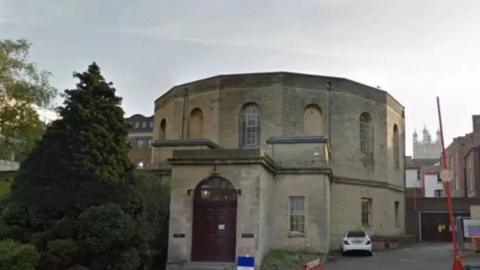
(208, 266)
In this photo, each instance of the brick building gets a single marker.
(462, 158)
(139, 139)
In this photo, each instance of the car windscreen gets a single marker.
(356, 234)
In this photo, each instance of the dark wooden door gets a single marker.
(435, 226)
(214, 229)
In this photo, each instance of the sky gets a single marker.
(416, 50)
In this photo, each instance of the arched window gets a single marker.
(366, 134)
(195, 124)
(396, 147)
(215, 188)
(312, 120)
(162, 133)
(250, 126)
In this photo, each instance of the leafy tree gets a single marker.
(73, 197)
(22, 87)
(17, 256)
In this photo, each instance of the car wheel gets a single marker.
(370, 253)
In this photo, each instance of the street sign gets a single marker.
(471, 227)
(245, 263)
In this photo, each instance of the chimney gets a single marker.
(476, 123)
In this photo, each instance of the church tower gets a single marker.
(426, 148)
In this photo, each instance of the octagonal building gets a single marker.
(277, 160)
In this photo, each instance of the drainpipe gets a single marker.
(184, 111)
(329, 89)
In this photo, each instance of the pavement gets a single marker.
(424, 256)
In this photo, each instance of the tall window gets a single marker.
(141, 143)
(250, 126)
(366, 134)
(163, 129)
(297, 214)
(312, 120)
(397, 209)
(195, 124)
(366, 211)
(396, 147)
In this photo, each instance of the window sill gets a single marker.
(296, 235)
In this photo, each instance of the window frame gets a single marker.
(141, 143)
(397, 213)
(369, 214)
(162, 132)
(250, 126)
(366, 134)
(296, 220)
(396, 147)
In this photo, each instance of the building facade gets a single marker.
(139, 139)
(462, 160)
(415, 175)
(426, 148)
(277, 161)
(433, 186)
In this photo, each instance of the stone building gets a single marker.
(139, 139)
(277, 161)
(427, 148)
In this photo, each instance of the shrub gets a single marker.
(155, 194)
(60, 253)
(104, 227)
(18, 256)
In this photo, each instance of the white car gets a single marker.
(356, 241)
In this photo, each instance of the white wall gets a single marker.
(6, 165)
(431, 184)
(412, 180)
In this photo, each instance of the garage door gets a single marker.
(435, 226)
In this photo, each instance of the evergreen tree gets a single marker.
(73, 196)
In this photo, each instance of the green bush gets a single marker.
(18, 256)
(286, 260)
(129, 259)
(60, 253)
(104, 227)
(78, 267)
(155, 195)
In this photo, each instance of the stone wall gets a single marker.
(253, 204)
(315, 188)
(282, 98)
(346, 211)
(6, 165)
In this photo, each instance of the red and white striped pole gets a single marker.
(447, 176)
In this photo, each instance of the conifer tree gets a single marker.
(73, 196)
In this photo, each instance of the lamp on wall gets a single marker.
(205, 194)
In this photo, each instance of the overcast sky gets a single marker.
(415, 49)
